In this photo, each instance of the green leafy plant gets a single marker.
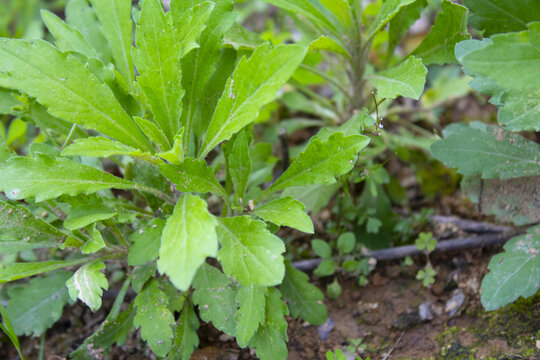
(426, 243)
(154, 171)
(501, 168)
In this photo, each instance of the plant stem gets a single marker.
(70, 136)
(154, 192)
(328, 78)
(119, 299)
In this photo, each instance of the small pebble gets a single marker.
(425, 311)
(324, 329)
(453, 305)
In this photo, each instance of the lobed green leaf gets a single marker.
(250, 314)
(193, 176)
(87, 284)
(186, 339)
(388, 10)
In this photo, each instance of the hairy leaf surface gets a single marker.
(249, 252)
(188, 238)
(402, 22)
(66, 88)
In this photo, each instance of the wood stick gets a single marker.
(411, 250)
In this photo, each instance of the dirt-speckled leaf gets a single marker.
(250, 314)
(286, 212)
(388, 10)
(66, 88)
(25, 269)
(322, 161)
(146, 242)
(269, 340)
(158, 61)
(19, 225)
(116, 25)
(254, 83)
(215, 294)
(44, 178)
(36, 306)
(493, 153)
(407, 79)
(186, 339)
(513, 273)
(154, 318)
(66, 37)
(449, 29)
(500, 16)
(502, 67)
(82, 17)
(188, 238)
(304, 300)
(193, 176)
(87, 284)
(249, 252)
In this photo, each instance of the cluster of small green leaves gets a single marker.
(493, 159)
(426, 243)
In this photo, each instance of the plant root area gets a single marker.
(393, 317)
